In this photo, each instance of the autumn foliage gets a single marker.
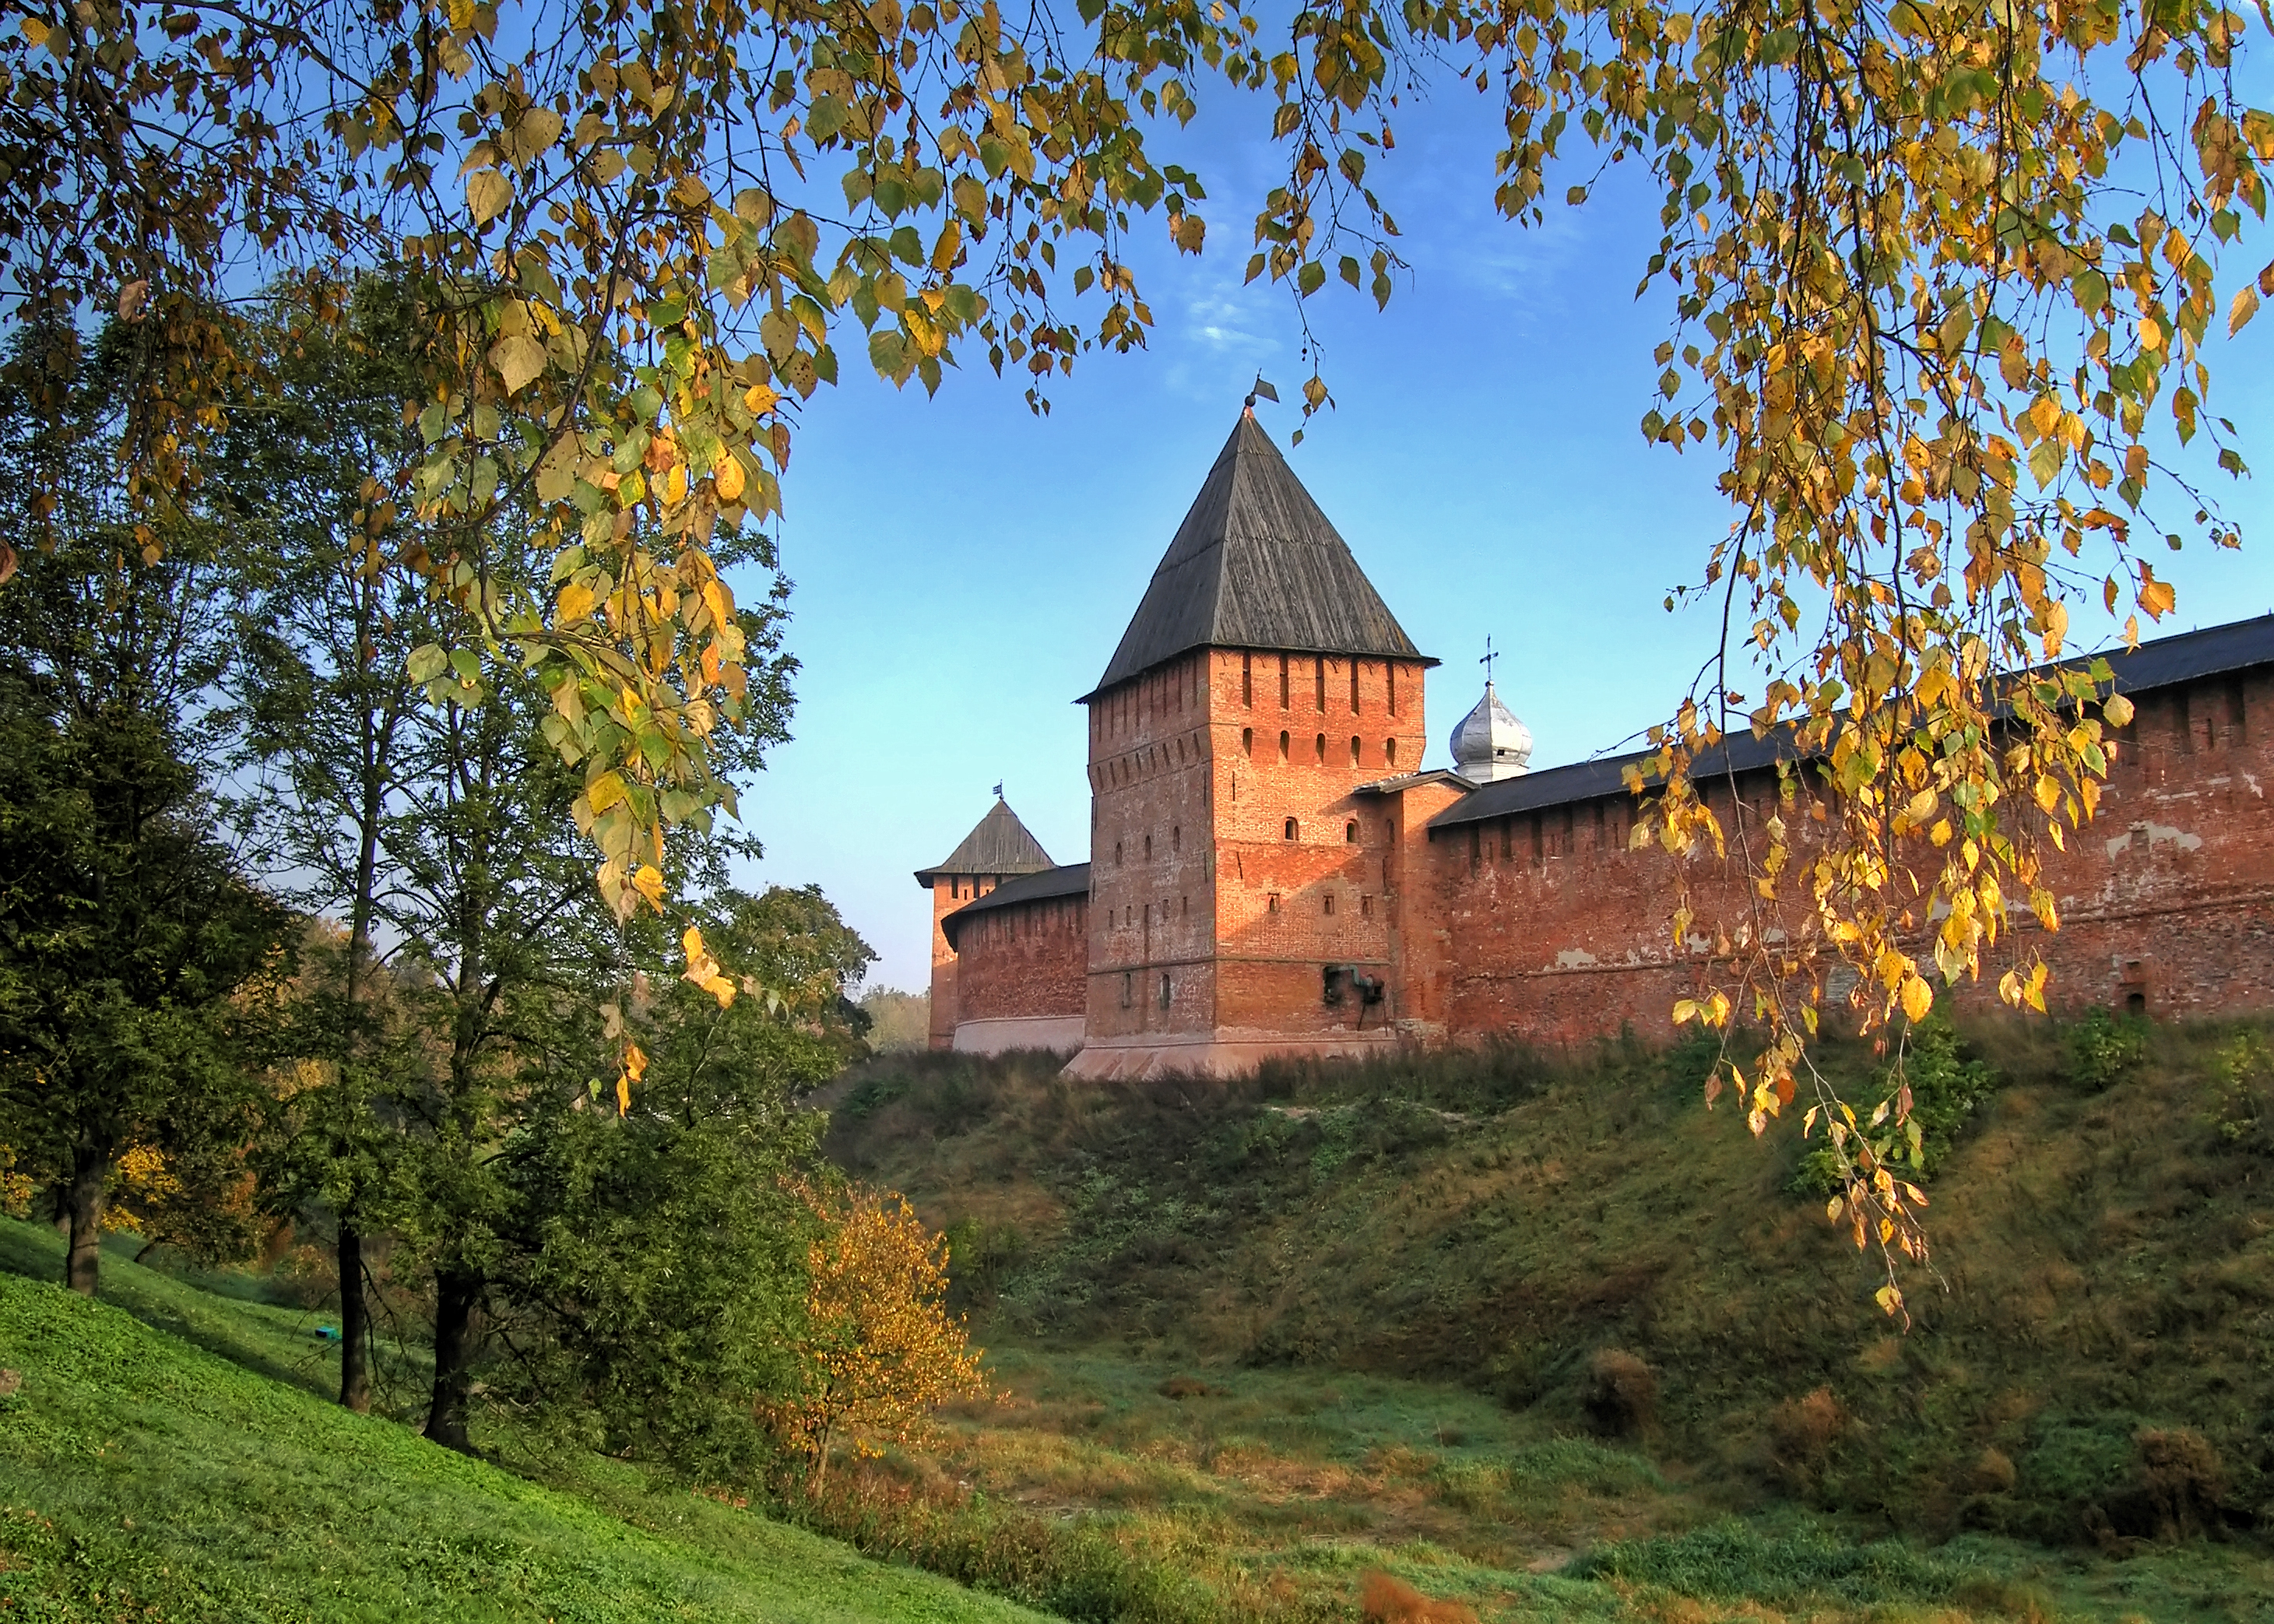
(881, 1351)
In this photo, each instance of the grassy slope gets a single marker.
(140, 1477)
(2106, 1262)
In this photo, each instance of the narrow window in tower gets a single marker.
(1164, 992)
(1176, 838)
(1148, 848)
(1354, 749)
(1247, 680)
(1282, 748)
(1389, 752)
(1271, 903)
(1319, 667)
(1353, 688)
(1247, 743)
(1330, 905)
(1293, 829)
(1128, 988)
(1366, 907)
(1283, 682)
(1184, 906)
(1319, 749)
(1349, 832)
(1390, 672)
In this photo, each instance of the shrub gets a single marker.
(2105, 1048)
(1803, 1432)
(1947, 1085)
(1620, 1394)
(1992, 1473)
(980, 1257)
(2240, 1070)
(2181, 1473)
(880, 1351)
(1074, 1569)
(1387, 1600)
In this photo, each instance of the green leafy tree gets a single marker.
(792, 941)
(133, 954)
(434, 831)
(660, 1285)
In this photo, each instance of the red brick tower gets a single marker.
(998, 848)
(1238, 881)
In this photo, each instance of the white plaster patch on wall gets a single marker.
(2254, 783)
(2152, 835)
(1574, 959)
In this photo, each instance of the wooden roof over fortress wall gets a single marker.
(2168, 662)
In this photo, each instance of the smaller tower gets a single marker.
(1490, 743)
(998, 848)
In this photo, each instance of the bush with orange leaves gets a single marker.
(881, 1352)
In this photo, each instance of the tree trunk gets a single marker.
(85, 1197)
(354, 1325)
(456, 1294)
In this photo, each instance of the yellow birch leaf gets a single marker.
(1919, 997)
(519, 359)
(487, 193)
(575, 603)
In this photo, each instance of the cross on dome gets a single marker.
(1490, 743)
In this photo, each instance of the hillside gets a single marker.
(143, 1478)
(2091, 1361)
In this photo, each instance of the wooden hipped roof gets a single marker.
(998, 844)
(1256, 565)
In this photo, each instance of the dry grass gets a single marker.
(1472, 1233)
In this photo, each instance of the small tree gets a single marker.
(881, 1352)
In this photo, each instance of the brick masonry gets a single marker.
(1204, 938)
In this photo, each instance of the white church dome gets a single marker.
(1490, 743)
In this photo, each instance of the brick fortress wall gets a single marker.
(1023, 961)
(1553, 930)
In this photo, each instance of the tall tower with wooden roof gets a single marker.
(1239, 903)
(998, 848)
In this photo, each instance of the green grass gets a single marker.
(143, 1478)
(1444, 1242)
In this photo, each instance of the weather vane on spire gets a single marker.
(998, 791)
(1261, 391)
(1486, 662)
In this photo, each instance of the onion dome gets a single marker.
(1490, 743)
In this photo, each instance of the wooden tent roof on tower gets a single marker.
(1256, 565)
(997, 844)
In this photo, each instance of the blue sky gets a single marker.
(964, 568)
